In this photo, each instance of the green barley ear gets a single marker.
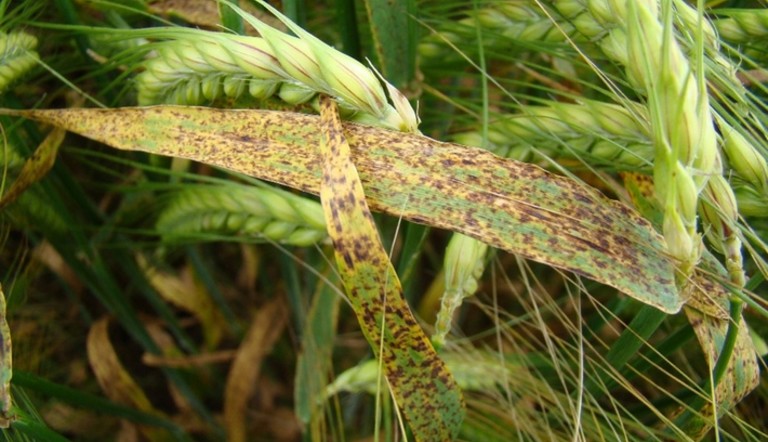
(682, 128)
(247, 211)
(324, 69)
(744, 158)
(750, 201)
(605, 133)
(742, 25)
(524, 21)
(200, 66)
(17, 57)
(463, 265)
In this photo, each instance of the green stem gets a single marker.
(637, 333)
(737, 306)
(296, 11)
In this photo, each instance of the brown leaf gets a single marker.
(187, 292)
(114, 380)
(266, 328)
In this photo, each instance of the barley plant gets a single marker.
(392, 220)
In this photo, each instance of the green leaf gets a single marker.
(517, 207)
(394, 37)
(313, 367)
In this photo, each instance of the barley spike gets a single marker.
(235, 209)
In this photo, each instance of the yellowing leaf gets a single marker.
(511, 205)
(36, 167)
(422, 385)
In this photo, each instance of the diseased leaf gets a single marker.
(704, 294)
(36, 167)
(507, 204)
(707, 308)
(422, 385)
(742, 374)
(6, 367)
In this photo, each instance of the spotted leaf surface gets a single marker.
(422, 385)
(6, 367)
(741, 376)
(511, 205)
(36, 167)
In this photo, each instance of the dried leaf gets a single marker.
(507, 204)
(422, 385)
(77, 422)
(114, 380)
(265, 329)
(198, 12)
(202, 12)
(187, 292)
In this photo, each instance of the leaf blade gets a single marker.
(424, 388)
(510, 205)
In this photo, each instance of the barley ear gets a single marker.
(742, 25)
(17, 56)
(260, 212)
(751, 202)
(744, 158)
(681, 126)
(329, 71)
